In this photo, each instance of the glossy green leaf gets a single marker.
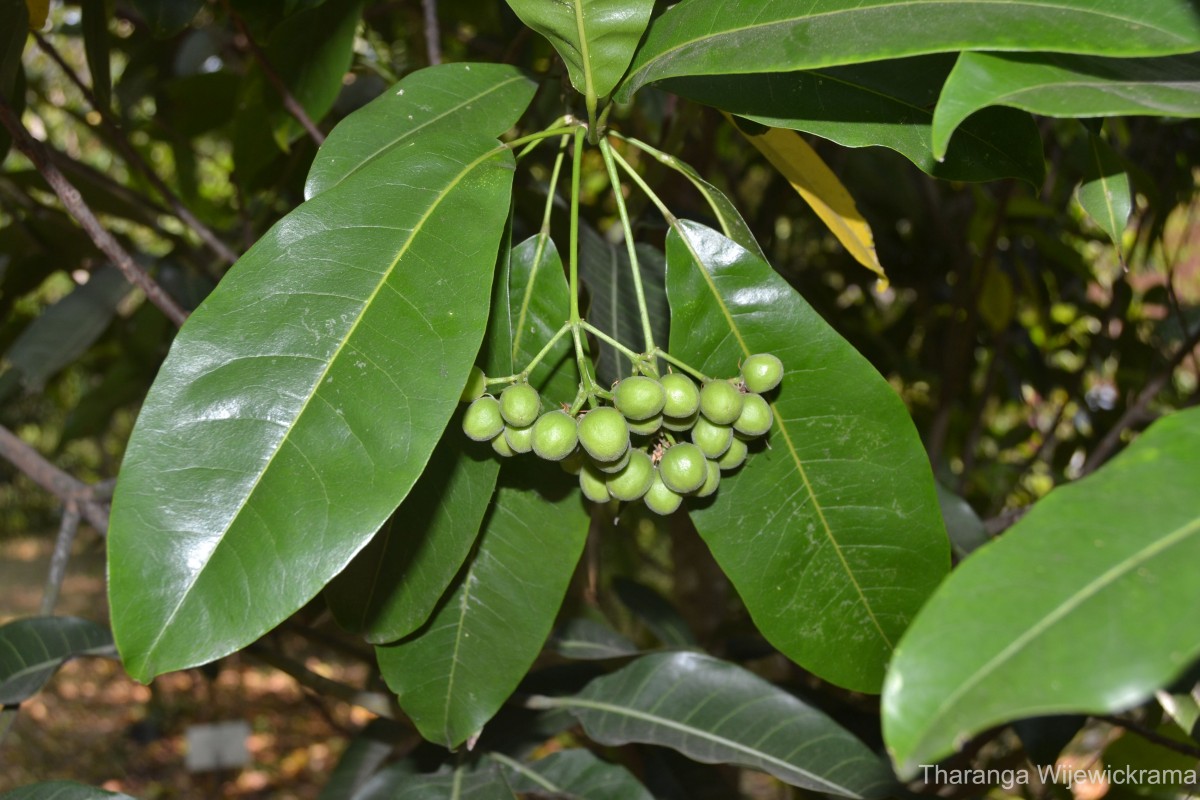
(578, 774)
(32, 650)
(540, 303)
(585, 639)
(1060, 85)
(1104, 192)
(428, 102)
(363, 756)
(596, 38)
(832, 535)
(167, 17)
(604, 270)
(452, 676)
(963, 525)
(95, 45)
(1086, 571)
(716, 712)
(713, 37)
(656, 612)
(403, 784)
(65, 330)
(62, 790)
(301, 401)
(887, 104)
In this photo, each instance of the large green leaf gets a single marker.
(1104, 191)
(577, 774)
(716, 712)
(301, 401)
(832, 535)
(452, 676)
(62, 790)
(32, 650)
(363, 756)
(1065, 612)
(540, 303)
(714, 37)
(429, 102)
(886, 103)
(1066, 86)
(403, 784)
(596, 38)
(586, 639)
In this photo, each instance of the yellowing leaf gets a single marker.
(38, 11)
(821, 189)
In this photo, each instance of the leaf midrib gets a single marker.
(367, 303)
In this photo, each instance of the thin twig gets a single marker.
(135, 160)
(289, 100)
(54, 480)
(1151, 735)
(433, 33)
(67, 530)
(75, 205)
(374, 702)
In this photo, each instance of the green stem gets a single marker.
(654, 198)
(604, 337)
(585, 373)
(558, 160)
(670, 359)
(683, 169)
(563, 120)
(623, 212)
(540, 135)
(523, 375)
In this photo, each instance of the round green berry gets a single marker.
(762, 372)
(659, 498)
(682, 396)
(712, 439)
(502, 447)
(632, 482)
(573, 463)
(593, 485)
(682, 468)
(520, 405)
(555, 435)
(519, 439)
(476, 384)
(720, 401)
(711, 481)
(604, 434)
(734, 456)
(680, 424)
(756, 416)
(611, 467)
(483, 422)
(646, 427)
(639, 397)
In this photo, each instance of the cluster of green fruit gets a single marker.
(718, 417)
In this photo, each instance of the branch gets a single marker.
(374, 702)
(78, 209)
(135, 160)
(67, 530)
(55, 481)
(1151, 735)
(433, 34)
(289, 100)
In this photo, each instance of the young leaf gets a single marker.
(452, 676)
(1104, 193)
(716, 712)
(832, 535)
(596, 38)
(713, 37)
(886, 104)
(540, 302)
(574, 773)
(821, 189)
(302, 400)
(32, 650)
(1066, 86)
(1084, 572)
(95, 44)
(62, 790)
(428, 102)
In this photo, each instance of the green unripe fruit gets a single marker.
(634, 480)
(520, 405)
(639, 397)
(611, 467)
(682, 468)
(711, 481)
(756, 416)
(762, 372)
(604, 434)
(680, 424)
(519, 439)
(682, 396)
(476, 384)
(573, 463)
(659, 498)
(555, 435)
(483, 422)
(734, 456)
(712, 439)
(646, 427)
(593, 484)
(720, 401)
(502, 447)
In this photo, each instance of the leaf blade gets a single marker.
(1104, 192)
(34, 648)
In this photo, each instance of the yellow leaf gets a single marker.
(821, 189)
(38, 11)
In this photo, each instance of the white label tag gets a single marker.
(218, 746)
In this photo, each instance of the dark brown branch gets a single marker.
(433, 33)
(1151, 735)
(77, 208)
(54, 480)
(135, 160)
(67, 530)
(374, 702)
(289, 100)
